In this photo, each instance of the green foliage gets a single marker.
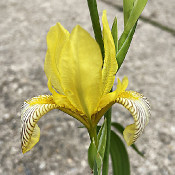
(96, 150)
(124, 44)
(127, 8)
(132, 11)
(101, 138)
(119, 156)
(92, 153)
(95, 169)
(92, 4)
(114, 32)
(120, 129)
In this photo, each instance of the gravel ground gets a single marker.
(62, 149)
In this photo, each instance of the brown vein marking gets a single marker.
(140, 110)
(29, 128)
(25, 136)
(30, 121)
(30, 114)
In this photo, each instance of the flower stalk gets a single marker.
(107, 150)
(92, 4)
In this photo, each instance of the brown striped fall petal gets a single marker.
(139, 107)
(32, 111)
(34, 108)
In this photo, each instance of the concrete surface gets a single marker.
(62, 149)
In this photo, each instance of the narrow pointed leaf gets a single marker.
(99, 162)
(124, 44)
(102, 139)
(138, 7)
(114, 32)
(95, 169)
(120, 128)
(127, 8)
(119, 156)
(92, 153)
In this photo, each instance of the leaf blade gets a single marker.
(120, 128)
(137, 9)
(127, 8)
(114, 32)
(119, 156)
(124, 44)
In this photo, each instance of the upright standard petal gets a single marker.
(80, 66)
(139, 107)
(110, 65)
(56, 38)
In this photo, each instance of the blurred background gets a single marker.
(62, 149)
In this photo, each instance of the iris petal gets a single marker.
(56, 38)
(139, 107)
(35, 108)
(110, 65)
(32, 111)
(80, 66)
(136, 103)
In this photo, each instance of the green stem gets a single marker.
(107, 150)
(92, 4)
(93, 134)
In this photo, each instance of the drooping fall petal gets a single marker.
(56, 38)
(110, 65)
(80, 66)
(32, 111)
(136, 103)
(35, 108)
(139, 107)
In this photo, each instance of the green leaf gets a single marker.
(137, 150)
(114, 32)
(93, 9)
(119, 156)
(92, 153)
(101, 138)
(99, 162)
(124, 43)
(120, 128)
(96, 152)
(127, 8)
(95, 169)
(137, 9)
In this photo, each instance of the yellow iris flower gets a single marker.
(80, 84)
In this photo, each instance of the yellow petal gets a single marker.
(56, 38)
(110, 65)
(124, 83)
(35, 108)
(109, 99)
(80, 66)
(105, 103)
(139, 107)
(32, 111)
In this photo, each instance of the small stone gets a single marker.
(51, 173)
(83, 163)
(42, 165)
